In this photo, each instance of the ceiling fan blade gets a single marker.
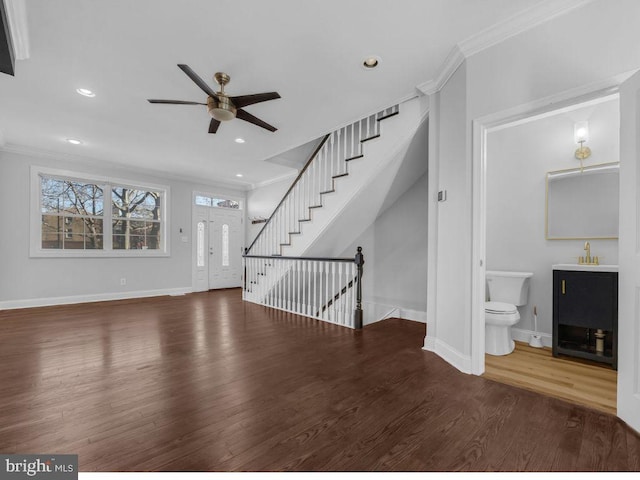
(247, 117)
(198, 81)
(213, 125)
(175, 102)
(245, 100)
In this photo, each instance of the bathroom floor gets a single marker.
(574, 380)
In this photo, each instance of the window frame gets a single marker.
(108, 183)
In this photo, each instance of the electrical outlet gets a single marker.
(123, 281)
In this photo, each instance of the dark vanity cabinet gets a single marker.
(585, 310)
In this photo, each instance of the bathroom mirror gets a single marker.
(583, 204)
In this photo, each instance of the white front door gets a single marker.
(225, 248)
(629, 255)
(217, 234)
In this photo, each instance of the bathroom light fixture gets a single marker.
(85, 92)
(581, 135)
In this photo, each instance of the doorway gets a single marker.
(217, 245)
(517, 156)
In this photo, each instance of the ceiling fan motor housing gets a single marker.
(221, 108)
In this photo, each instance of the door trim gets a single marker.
(481, 127)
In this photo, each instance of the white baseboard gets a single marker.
(100, 297)
(448, 353)
(375, 312)
(520, 335)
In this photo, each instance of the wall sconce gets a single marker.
(581, 135)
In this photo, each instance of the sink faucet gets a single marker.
(587, 248)
(588, 260)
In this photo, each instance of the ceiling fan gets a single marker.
(220, 106)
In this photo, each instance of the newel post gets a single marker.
(359, 261)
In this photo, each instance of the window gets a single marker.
(83, 216)
(135, 218)
(208, 201)
(225, 245)
(200, 245)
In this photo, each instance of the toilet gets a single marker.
(506, 292)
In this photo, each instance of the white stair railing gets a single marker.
(316, 179)
(327, 289)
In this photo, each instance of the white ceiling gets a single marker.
(309, 51)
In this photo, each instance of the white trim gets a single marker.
(17, 19)
(518, 23)
(448, 68)
(98, 297)
(521, 335)
(495, 34)
(448, 353)
(35, 216)
(481, 127)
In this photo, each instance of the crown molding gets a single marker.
(37, 153)
(448, 68)
(17, 19)
(519, 23)
(514, 25)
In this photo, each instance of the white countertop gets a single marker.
(585, 268)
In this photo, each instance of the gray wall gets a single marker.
(395, 249)
(518, 159)
(24, 278)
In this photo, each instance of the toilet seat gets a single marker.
(500, 308)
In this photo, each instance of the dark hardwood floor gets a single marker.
(206, 382)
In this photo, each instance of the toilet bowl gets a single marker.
(499, 317)
(507, 291)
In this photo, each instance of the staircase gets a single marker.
(346, 163)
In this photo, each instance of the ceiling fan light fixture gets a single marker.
(221, 109)
(74, 141)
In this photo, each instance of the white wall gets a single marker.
(588, 46)
(30, 281)
(518, 159)
(454, 218)
(261, 202)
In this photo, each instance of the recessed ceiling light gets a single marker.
(85, 92)
(371, 62)
(239, 175)
(239, 140)
(74, 141)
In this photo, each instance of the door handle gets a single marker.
(564, 287)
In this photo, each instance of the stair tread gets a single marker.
(305, 220)
(341, 175)
(327, 191)
(369, 138)
(388, 116)
(315, 206)
(354, 158)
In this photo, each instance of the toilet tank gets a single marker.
(508, 287)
